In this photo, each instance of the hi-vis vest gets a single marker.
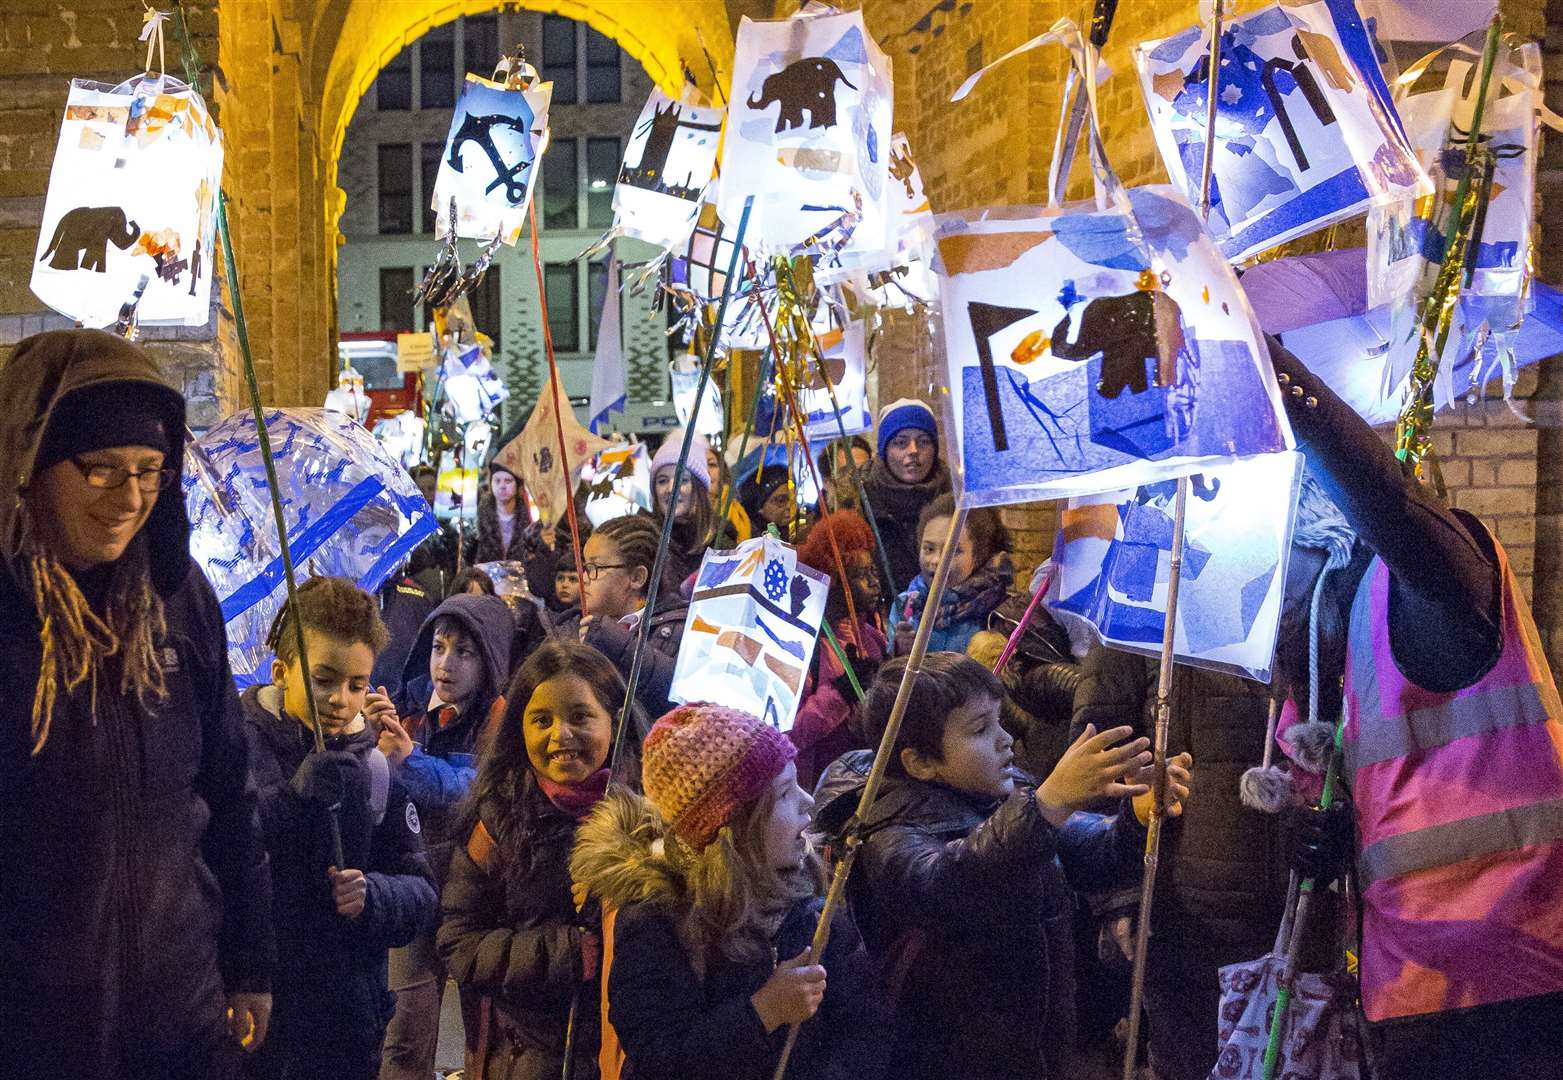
(1459, 806)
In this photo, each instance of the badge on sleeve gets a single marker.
(412, 819)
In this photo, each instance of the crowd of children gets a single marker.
(435, 790)
(651, 914)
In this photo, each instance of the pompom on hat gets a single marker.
(700, 763)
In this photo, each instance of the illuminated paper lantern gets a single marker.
(533, 455)
(618, 483)
(351, 510)
(808, 136)
(473, 389)
(132, 205)
(492, 155)
(1090, 350)
(904, 277)
(349, 398)
(1406, 239)
(684, 377)
(843, 350)
(667, 167)
(1112, 557)
(1305, 131)
(749, 637)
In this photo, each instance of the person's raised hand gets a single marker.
(350, 891)
(792, 994)
(1180, 782)
(1093, 768)
(394, 743)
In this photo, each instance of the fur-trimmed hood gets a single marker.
(619, 854)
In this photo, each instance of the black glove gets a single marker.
(329, 777)
(1318, 842)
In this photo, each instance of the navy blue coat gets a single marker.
(331, 974)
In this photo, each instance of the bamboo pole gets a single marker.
(192, 68)
(876, 774)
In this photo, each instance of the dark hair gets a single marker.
(946, 682)
(983, 525)
(331, 606)
(505, 778)
(467, 577)
(636, 536)
(418, 472)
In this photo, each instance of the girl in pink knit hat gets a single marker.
(716, 893)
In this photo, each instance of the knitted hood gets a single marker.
(41, 372)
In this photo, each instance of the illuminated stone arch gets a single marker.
(661, 35)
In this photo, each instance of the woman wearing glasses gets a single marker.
(618, 561)
(137, 937)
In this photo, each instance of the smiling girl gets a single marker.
(511, 932)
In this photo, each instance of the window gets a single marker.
(395, 187)
(561, 186)
(602, 169)
(396, 306)
(596, 294)
(602, 67)
(393, 86)
(437, 68)
(559, 58)
(429, 155)
(480, 44)
(485, 301)
(562, 291)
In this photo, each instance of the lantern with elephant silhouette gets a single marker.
(808, 136)
(1097, 345)
(130, 215)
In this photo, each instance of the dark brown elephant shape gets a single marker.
(809, 84)
(82, 236)
(1127, 330)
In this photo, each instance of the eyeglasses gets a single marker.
(110, 477)
(593, 570)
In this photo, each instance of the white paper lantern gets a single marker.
(1306, 134)
(667, 167)
(491, 159)
(132, 205)
(809, 137)
(751, 629)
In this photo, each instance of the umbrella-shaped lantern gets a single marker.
(352, 512)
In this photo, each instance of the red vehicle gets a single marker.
(373, 353)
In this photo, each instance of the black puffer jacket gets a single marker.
(331, 972)
(509, 931)
(967, 905)
(617, 642)
(1222, 883)
(132, 873)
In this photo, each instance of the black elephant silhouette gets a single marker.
(82, 236)
(808, 84)
(1128, 331)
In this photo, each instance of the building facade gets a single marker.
(391, 155)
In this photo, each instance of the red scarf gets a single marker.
(576, 800)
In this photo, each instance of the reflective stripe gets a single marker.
(1457, 841)
(1476, 713)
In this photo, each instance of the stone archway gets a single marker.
(287, 86)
